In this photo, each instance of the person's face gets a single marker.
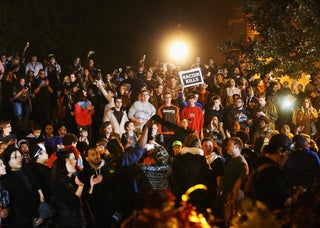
(52, 60)
(219, 78)
(239, 103)
(172, 82)
(24, 148)
(43, 156)
(262, 124)
(216, 103)
(144, 96)
(77, 61)
(231, 147)
(73, 77)
(22, 81)
(94, 157)
(262, 101)
(149, 74)
(211, 61)
(236, 70)
(91, 63)
(192, 102)
(123, 89)
(167, 98)
(207, 147)
(2, 168)
(15, 161)
(49, 130)
(176, 150)
(108, 129)
(37, 133)
(215, 120)
(198, 60)
(71, 163)
(34, 59)
(159, 89)
(118, 103)
(306, 103)
(131, 126)
(236, 127)
(184, 123)
(42, 74)
(232, 82)
(84, 133)
(3, 146)
(62, 131)
(7, 129)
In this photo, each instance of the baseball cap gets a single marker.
(176, 143)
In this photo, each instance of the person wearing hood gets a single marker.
(189, 169)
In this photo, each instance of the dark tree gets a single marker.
(284, 36)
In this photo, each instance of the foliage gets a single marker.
(287, 38)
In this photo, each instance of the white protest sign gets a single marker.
(191, 77)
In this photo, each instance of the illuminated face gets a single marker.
(207, 147)
(216, 103)
(62, 131)
(108, 129)
(236, 127)
(15, 161)
(192, 102)
(71, 163)
(118, 103)
(232, 82)
(176, 150)
(94, 157)
(239, 103)
(24, 148)
(184, 123)
(262, 101)
(73, 77)
(131, 127)
(306, 103)
(167, 98)
(144, 96)
(37, 133)
(215, 120)
(43, 156)
(2, 168)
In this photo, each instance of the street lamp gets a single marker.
(178, 50)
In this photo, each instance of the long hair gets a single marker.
(59, 168)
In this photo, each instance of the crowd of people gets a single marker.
(71, 138)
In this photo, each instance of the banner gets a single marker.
(191, 77)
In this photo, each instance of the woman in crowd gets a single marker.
(25, 193)
(66, 192)
(83, 111)
(304, 117)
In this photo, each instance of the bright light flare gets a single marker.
(178, 50)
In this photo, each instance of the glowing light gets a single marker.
(178, 50)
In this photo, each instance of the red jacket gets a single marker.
(82, 113)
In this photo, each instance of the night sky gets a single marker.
(131, 29)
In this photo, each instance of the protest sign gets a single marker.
(191, 77)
